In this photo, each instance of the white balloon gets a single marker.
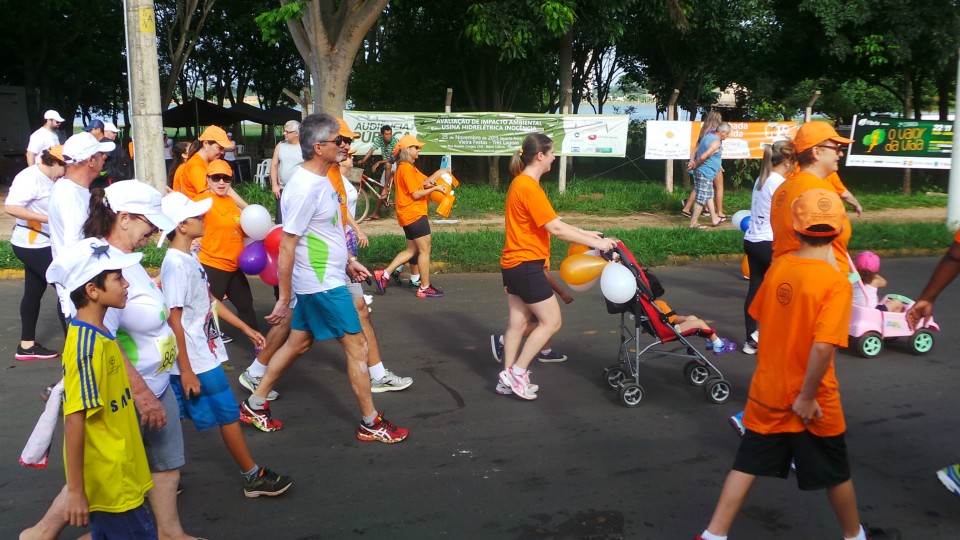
(618, 284)
(738, 217)
(584, 287)
(255, 221)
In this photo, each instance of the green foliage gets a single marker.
(254, 194)
(273, 23)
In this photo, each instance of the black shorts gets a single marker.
(527, 281)
(417, 229)
(821, 461)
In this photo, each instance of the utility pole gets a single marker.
(562, 182)
(953, 192)
(143, 74)
(668, 173)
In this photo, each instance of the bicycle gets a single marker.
(368, 189)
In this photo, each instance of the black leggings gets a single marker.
(235, 287)
(759, 255)
(35, 263)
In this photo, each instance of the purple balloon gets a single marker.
(253, 258)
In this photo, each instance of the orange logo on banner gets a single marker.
(747, 139)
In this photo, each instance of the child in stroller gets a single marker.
(682, 323)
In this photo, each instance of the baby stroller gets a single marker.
(870, 328)
(649, 319)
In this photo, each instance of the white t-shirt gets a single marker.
(42, 139)
(69, 206)
(290, 157)
(230, 154)
(352, 195)
(142, 330)
(311, 210)
(31, 190)
(759, 229)
(870, 299)
(185, 286)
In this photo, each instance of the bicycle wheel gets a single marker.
(363, 202)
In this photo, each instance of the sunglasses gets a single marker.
(221, 178)
(340, 139)
(836, 148)
(153, 228)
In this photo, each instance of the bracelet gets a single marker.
(351, 259)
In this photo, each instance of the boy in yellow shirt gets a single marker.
(106, 465)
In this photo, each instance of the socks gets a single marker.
(517, 370)
(545, 351)
(706, 535)
(861, 536)
(717, 342)
(256, 402)
(415, 278)
(256, 369)
(368, 420)
(252, 473)
(377, 372)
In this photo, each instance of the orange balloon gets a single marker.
(576, 249)
(581, 269)
(745, 268)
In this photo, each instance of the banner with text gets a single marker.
(495, 134)
(678, 140)
(896, 143)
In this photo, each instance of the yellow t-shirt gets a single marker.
(115, 470)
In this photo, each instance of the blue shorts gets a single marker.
(215, 406)
(136, 524)
(165, 446)
(326, 314)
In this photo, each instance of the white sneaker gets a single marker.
(505, 390)
(390, 383)
(251, 383)
(520, 385)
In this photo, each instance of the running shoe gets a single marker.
(382, 430)
(390, 383)
(707, 345)
(505, 390)
(266, 483)
(251, 383)
(37, 352)
(225, 338)
(750, 347)
(396, 277)
(496, 347)
(259, 418)
(950, 478)
(736, 422)
(380, 281)
(875, 533)
(415, 284)
(429, 292)
(551, 357)
(520, 385)
(724, 347)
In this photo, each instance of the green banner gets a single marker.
(496, 134)
(900, 143)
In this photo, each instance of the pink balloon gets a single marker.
(269, 274)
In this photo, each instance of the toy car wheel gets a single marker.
(696, 373)
(613, 376)
(869, 345)
(718, 390)
(630, 394)
(922, 342)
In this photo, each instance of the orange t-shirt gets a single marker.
(837, 184)
(409, 179)
(781, 218)
(666, 310)
(336, 180)
(800, 302)
(193, 178)
(527, 211)
(222, 240)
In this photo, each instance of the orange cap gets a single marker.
(352, 150)
(217, 135)
(818, 212)
(406, 141)
(219, 166)
(57, 152)
(811, 134)
(345, 129)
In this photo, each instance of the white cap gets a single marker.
(84, 261)
(135, 197)
(110, 126)
(229, 134)
(53, 115)
(179, 208)
(81, 146)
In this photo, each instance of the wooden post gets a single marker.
(562, 184)
(447, 160)
(668, 173)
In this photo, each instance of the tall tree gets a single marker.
(180, 25)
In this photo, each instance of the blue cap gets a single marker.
(95, 124)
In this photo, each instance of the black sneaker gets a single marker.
(749, 347)
(874, 533)
(396, 278)
(266, 483)
(37, 352)
(225, 338)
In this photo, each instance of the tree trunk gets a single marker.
(186, 30)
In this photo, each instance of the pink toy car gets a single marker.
(871, 327)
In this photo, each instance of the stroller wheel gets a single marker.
(718, 390)
(630, 394)
(696, 373)
(613, 376)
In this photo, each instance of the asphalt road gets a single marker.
(575, 463)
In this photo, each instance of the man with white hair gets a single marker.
(45, 137)
(286, 158)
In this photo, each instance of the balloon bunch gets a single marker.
(583, 267)
(741, 220)
(260, 255)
